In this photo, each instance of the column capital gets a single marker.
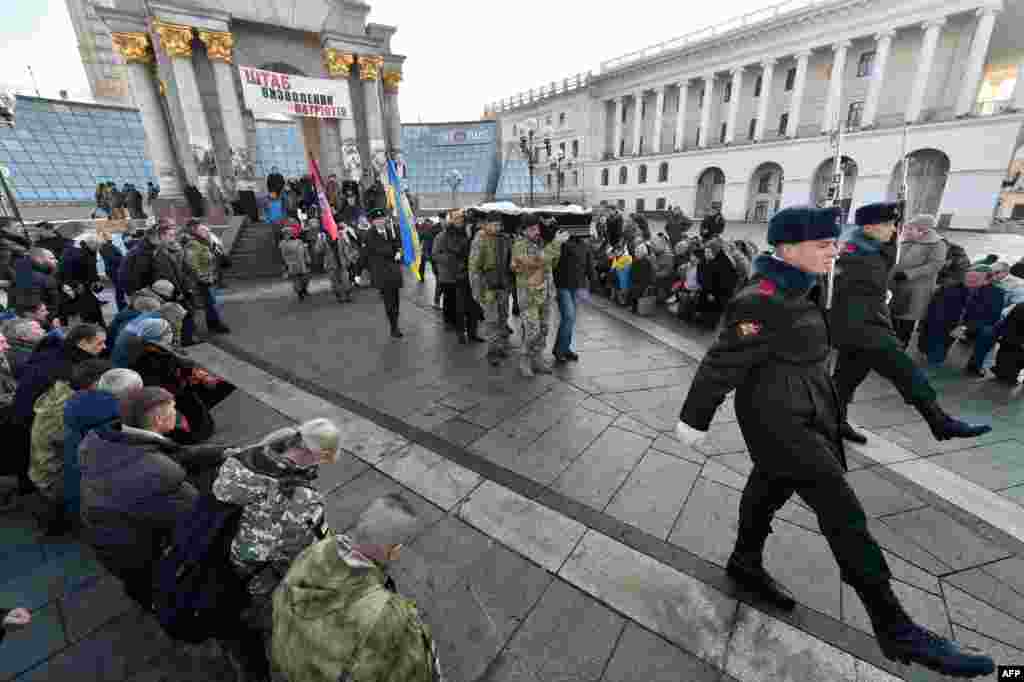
(683, 84)
(391, 78)
(175, 39)
(709, 77)
(802, 54)
(987, 10)
(885, 34)
(841, 45)
(218, 45)
(769, 63)
(737, 71)
(369, 67)
(338, 62)
(936, 23)
(134, 47)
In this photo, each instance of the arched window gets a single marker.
(604, 177)
(623, 175)
(642, 175)
(663, 172)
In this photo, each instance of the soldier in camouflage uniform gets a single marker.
(533, 264)
(339, 257)
(282, 512)
(337, 616)
(491, 280)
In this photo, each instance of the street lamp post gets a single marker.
(557, 162)
(453, 179)
(532, 153)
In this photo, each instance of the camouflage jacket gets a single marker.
(534, 264)
(282, 513)
(483, 264)
(201, 259)
(338, 619)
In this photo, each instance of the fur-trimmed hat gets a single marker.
(803, 224)
(876, 214)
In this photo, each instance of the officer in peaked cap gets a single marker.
(773, 350)
(384, 254)
(862, 327)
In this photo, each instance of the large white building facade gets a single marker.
(740, 116)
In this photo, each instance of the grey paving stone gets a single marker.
(500, 447)
(641, 655)
(430, 416)
(884, 412)
(27, 648)
(343, 506)
(907, 572)
(945, 538)
(969, 612)
(1009, 571)
(803, 561)
(439, 480)
(60, 575)
(435, 561)
(462, 400)
(978, 583)
(595, 404)
(904, 547)
(739, 462)
(923, 607)
(709, 522)
(569, 636)
(722, 439)
(550, 455)
(187, 663)
(93, 605)
(1015, 494)
(642, 380)
(629, 424)
(715, 471)
(339, 473)
(994, 466)
(879, 496)
(654, 493)
(596, 474)
(918, 438)
(242, 419)
(668, 444)
(459, 432)
(1001, 652)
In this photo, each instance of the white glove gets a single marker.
(398, 257)
(689, 435)
(562, 236)
(17, 619)
(888, 297)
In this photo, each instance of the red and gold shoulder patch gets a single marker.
(766, 287)
(748, 328)
(851, 247)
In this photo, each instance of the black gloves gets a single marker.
(900, 277)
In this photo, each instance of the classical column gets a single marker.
(391, 79)
(767, 74)
(659, 105)
(883, 45)
(1018, 88)
(797, 100)
(176, 41)
(705, 112)
(684, 93)
(339, 65)
(976, 61)
(734, 105)
(138, 55)
(925, 60)
(830, 119)
(638, 107)
(369, 72)
(219, 46)
(620, 105)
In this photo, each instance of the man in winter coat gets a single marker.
(339, 258)
(713, 225)
(454, 251)
(773, 350)
(915, 276)
(863, 331)
(35, 280)
(23, 336)
(144, 301)
(384, 252)
(80, 281)
(491, 279)
(275, 182)
(571, 274)
(295, 254)
(12, 247)
(337, 615)
(112, 259)
(282, 510)
(202, 260)
(533, 264)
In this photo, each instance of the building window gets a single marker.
(641, 144)
(623, 114)
(515, 130)
(752, 129)
(757, 86)
(783, 123)
(561, 148)
(547, 154)
(549, 185)
(700, 101)
(561, 120)
(575, 148)
(623, 175)
(561, 178)
(576, 179)
(764, 183)
(660, 204)
(853, 116)
(727, 95)
(604, 177)
(639, 205)
(866, 64)
(622, 204)
(721, 134)
(698, 137)
(643, 109)
(663, 172)
(790, 78)
(622, 147)
(642, 175)
(547, 120)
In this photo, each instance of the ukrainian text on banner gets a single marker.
(269, 92)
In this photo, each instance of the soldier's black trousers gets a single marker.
(891, 362)
(840, 516)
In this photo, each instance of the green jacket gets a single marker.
(199, 256)
(46, 468)
(534, 264)
(334, 619)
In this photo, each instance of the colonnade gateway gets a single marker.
(228, 89)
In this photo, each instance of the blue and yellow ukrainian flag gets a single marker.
(399, 203)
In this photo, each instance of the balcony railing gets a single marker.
(577, 82)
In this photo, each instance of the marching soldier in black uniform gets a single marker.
(773, 349)
(862, 327)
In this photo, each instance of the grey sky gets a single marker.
(462, 54)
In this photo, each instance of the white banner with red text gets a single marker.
(270, 92)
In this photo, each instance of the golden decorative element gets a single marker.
(391, 80)
(134, 47)
(339, 64)
(218, 45)
(163, 87)
(175, 39)
(369, 67)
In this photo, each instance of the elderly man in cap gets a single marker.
(384, 253)
(773, 349)
(862, 329)
(534, 264)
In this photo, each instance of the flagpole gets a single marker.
(904, 194)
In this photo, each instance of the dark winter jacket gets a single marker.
(452, 250)
(275, 183)
(122, 318)
(18, 355)
(12, 247)
(385, 271)
(956, 266)
(712, 226)
(574, 267)
(985, 305)
(78, 266)
(85, 411)
(112, 258)
(33, 284)
(169, 264)
(860, 314)
(51, 361)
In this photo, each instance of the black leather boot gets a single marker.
(945, 427)
(396, 333)
(852, 435)
(749, 572)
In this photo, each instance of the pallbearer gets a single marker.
(773, 349)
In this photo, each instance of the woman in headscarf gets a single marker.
(915, 276)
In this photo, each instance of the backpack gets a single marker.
(136, 271)
(196, 592)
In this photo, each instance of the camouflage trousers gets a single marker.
(300, 283)
(535, 328)
(495, 326)
(341, 283)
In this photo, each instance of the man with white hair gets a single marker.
(283, 513)
(23, 337)
(337, 614)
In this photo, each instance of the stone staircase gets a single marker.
(254, 253)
